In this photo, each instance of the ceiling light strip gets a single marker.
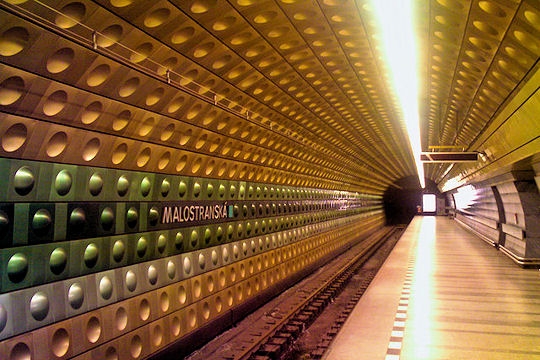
(396, 23)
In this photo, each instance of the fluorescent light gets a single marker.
(396, 23)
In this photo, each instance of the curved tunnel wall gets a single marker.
(138, 210)
(504, 211)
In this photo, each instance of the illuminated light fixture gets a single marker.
(396, 23)
(448, 157)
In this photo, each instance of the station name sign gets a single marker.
(196, 213)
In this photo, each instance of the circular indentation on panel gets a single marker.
(222, 278)
(192, 318)
(147, 126)
(480, 43)
(215, 257)
(132, 217)
(60, 60)
(179, 241)
(142, 246)
(221, 62)
(105, 287)
(203, 50)
(91, 255)
(194, 238)
(175, 105)
(182, 35)
(225, 254)
(202, 261)
(209, 190)
(144, 157)
(144, 310)
(11, 90)
(107, 218)
(528, 41)
(75, 296)
(182, 295)
(207, 236)
(17, 267)
(157, 17)
(157, 335)
(131, 280)
(41, 222)
(175, 326)
(210, 285)
(23, 181)
(21, 351)
(153, 216)
(152, 274)
(197, 289)
(93, 330)
(206, 310)
(129, 87)
(533, 18)
(39, 306)
(161, 243)
(109, 36)
(13, 41)
(182, 188)
(60, 342)
(14, 137)
(167, 132)
(91, 149)
(142, 52)
(70, 15)
(58, 261)
(202, 6)
(171, 270)
(119, 153)
(265, 17)
(164, 160)
(164, 301)
(485, 27)
(55, 103)
(57, 144)
(136, 346)
(3, 317)
(165, 187)
(196, 189)
(91, 113)
(63, 182)
(98, 76)
(236, 251)
(223, 23)
(121, 120)
(121, 318)
(181, 164)
(122, 185)
(111, 353)
(95, 184)
(187, 265)
(491, 8)
(146, 186)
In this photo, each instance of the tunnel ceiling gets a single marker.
(286, 91)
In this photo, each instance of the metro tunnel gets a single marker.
(169, 164)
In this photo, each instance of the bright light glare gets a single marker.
(429, 203)
(465, 197)
(396, 22)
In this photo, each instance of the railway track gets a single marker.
(272, 332)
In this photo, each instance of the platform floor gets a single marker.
(443, 293)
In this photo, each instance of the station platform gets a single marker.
(443, 293)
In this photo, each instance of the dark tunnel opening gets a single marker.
(401, 201)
